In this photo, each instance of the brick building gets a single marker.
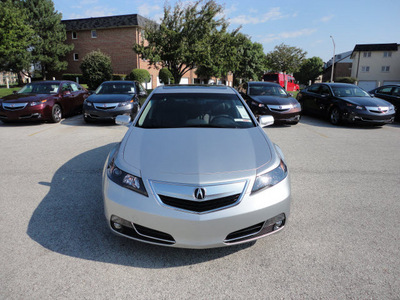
(343, 64)
(114, 36)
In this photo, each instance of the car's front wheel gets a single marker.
(335, 116)
(56, 113)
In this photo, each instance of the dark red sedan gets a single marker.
(45, 101)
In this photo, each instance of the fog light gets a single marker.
(278, 225)
(117, 226)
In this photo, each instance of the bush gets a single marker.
(166, 76)
(73, 77)
(140, 75)
(346, 80)
(118, 76)
(96, 68)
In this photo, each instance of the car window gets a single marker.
(195, 110)
(66, 87)
(266, 90)
(314, 89)
(75, 87)
(349, 91)
(116, 88)
(385, 90)
(39, 88)
(324, 90)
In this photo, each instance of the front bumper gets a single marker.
(29, 113)
(149, 221)
(367, 117)
(93, 113)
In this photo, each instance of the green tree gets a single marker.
(15, 38)
(96, 68)
(251, 59)
(184, 38)
(48, 47)
(166, 76)
(285, 58)
(310, 69)
(140, 75)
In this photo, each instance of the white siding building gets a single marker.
(376, 65)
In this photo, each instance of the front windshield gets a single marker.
(266, 90)
(349, 91)
(195, 110)
(116, 88)
(40, 88)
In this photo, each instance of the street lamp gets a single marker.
(333, 58)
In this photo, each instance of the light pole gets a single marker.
(333, 59)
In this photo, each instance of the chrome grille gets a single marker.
(280, 108)
(14, 106)
(105, 106)
(377, 109)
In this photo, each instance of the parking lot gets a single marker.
(342, 239)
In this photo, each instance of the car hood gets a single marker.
(366, 101)
(274, 100)
(196, 154)
(17, 98)
(107, 98)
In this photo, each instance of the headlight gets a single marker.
(124, 179)
(34, 103)
(87, 103)
(258, 104)
(296, 105)
(125, 103)
(271, 178)
(354, 106)
(391, 108)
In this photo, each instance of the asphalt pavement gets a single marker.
(342, 240)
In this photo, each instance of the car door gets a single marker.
(78, 96)
(309, 99)
(68, 98)
(323, 100)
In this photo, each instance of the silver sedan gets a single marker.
(196, 170)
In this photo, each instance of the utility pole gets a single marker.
(333, 59)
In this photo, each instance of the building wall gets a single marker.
(375, 62)
(341, 70)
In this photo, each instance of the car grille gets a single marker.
(200, 206)
(377, 109)
(280, 108)
(14, 106)
(105, 106)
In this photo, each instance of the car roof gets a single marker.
(188, 88)
(335, 84)
(119, 81)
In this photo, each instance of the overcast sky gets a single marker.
(305, 24)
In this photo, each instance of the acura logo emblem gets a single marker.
(199, 193)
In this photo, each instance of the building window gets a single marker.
(76, 56)
(387, 54)
(74, 35)
(385, 68)
(94, 34)
(365, 69)
(367, 54)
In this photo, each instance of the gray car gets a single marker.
(196, 170)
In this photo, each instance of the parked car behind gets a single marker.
(343, 102)
(390, 93)
(44, 101)
(113, 98)
(196, 170)
(267, 98)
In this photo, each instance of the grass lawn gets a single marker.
(5, 91)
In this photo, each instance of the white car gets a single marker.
(196, 170)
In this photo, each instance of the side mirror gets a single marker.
(265, 121)
(122, 120)
(66, 93)
(142, 94)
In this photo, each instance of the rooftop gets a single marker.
(106, 22)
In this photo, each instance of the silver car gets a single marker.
(196, 170)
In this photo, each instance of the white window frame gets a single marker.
(365, 69)
(93, 34)
(74, 34)
(387, 54)
(76, 56)
(385, 69)
(367, 54)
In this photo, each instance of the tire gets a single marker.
(56, 113)
(335, 116)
